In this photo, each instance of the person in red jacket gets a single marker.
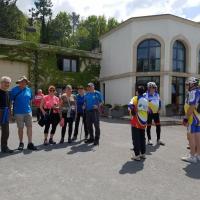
(36, 101)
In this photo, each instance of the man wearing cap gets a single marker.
(80, 113)
(4, 113)
(21, 96)
(92, 102)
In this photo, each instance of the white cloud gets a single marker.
(121, 9)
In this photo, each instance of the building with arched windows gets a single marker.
(161, 48)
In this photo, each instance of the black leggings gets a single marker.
(138, 136)
(156, 119)
(54, 120)
(70, 126)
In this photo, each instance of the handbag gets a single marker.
(43, 120)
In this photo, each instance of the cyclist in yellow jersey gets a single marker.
(138, 108)
(192, 120)
(153, 112)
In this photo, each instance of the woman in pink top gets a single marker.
(50, 105)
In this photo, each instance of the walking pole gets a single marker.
(81, 130)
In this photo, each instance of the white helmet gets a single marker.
(192, 80)
(151, 84)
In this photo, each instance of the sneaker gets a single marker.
(45, 142)
(89, 141)
(69, 140)
(136, 158)
(6, 150)
(150, 142)
(21, 146)
(31, 146)
(96, 142)
(61, 140)
(143, 156)
(191, 159)
(159, 142)
(51, 141)
(74, 138)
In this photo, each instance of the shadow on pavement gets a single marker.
(81, 148)
(132, 167)
(192, 171)
(151, 148)
(3, 155)
(57, 146)
(114, 121)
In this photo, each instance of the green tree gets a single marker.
(12, 20)
(43, 12)
(60, 29)
(112, 23)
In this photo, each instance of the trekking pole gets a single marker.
(81, 130)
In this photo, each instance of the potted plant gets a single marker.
(106, 110)
(125, 107)
(117, 111)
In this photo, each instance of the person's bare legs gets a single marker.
(197, 141)
(20, 134)
(192, 144)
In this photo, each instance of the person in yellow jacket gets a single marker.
(153, 112)
(192, 120)
(138, 108)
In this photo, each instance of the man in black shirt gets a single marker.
(4, 113)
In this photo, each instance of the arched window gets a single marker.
(179, 57)
(148, 56)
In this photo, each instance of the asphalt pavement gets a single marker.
(106, 172)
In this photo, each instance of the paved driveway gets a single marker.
(84, 172)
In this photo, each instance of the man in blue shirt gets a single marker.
(80, 113)
(92, 102)
(21, 97)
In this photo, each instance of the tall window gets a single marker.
(179, 57)
(178, 91)
(148, 56)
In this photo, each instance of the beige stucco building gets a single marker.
(161, 48)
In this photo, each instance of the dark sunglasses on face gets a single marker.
(51, 90)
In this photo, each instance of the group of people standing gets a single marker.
(144, 107)
(51, 110)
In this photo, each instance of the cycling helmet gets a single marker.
(193, 80)
(151, 84)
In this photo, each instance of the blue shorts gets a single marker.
(193, 129)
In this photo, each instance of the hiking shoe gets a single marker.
(89, 141)
(51, 141)
(74, 138)
(143, 156)
(21, 146)
(191, 159)
(45, 142)
(6, 150)
(159, 142)
(150, 142)
(136, 158)
(69, 140)
(61, 140)
(31, 146)
(96, 142)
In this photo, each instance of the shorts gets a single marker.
(22, 119)
(193, 129)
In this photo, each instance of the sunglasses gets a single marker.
(51, 90)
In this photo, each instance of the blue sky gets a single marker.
(123, 9)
